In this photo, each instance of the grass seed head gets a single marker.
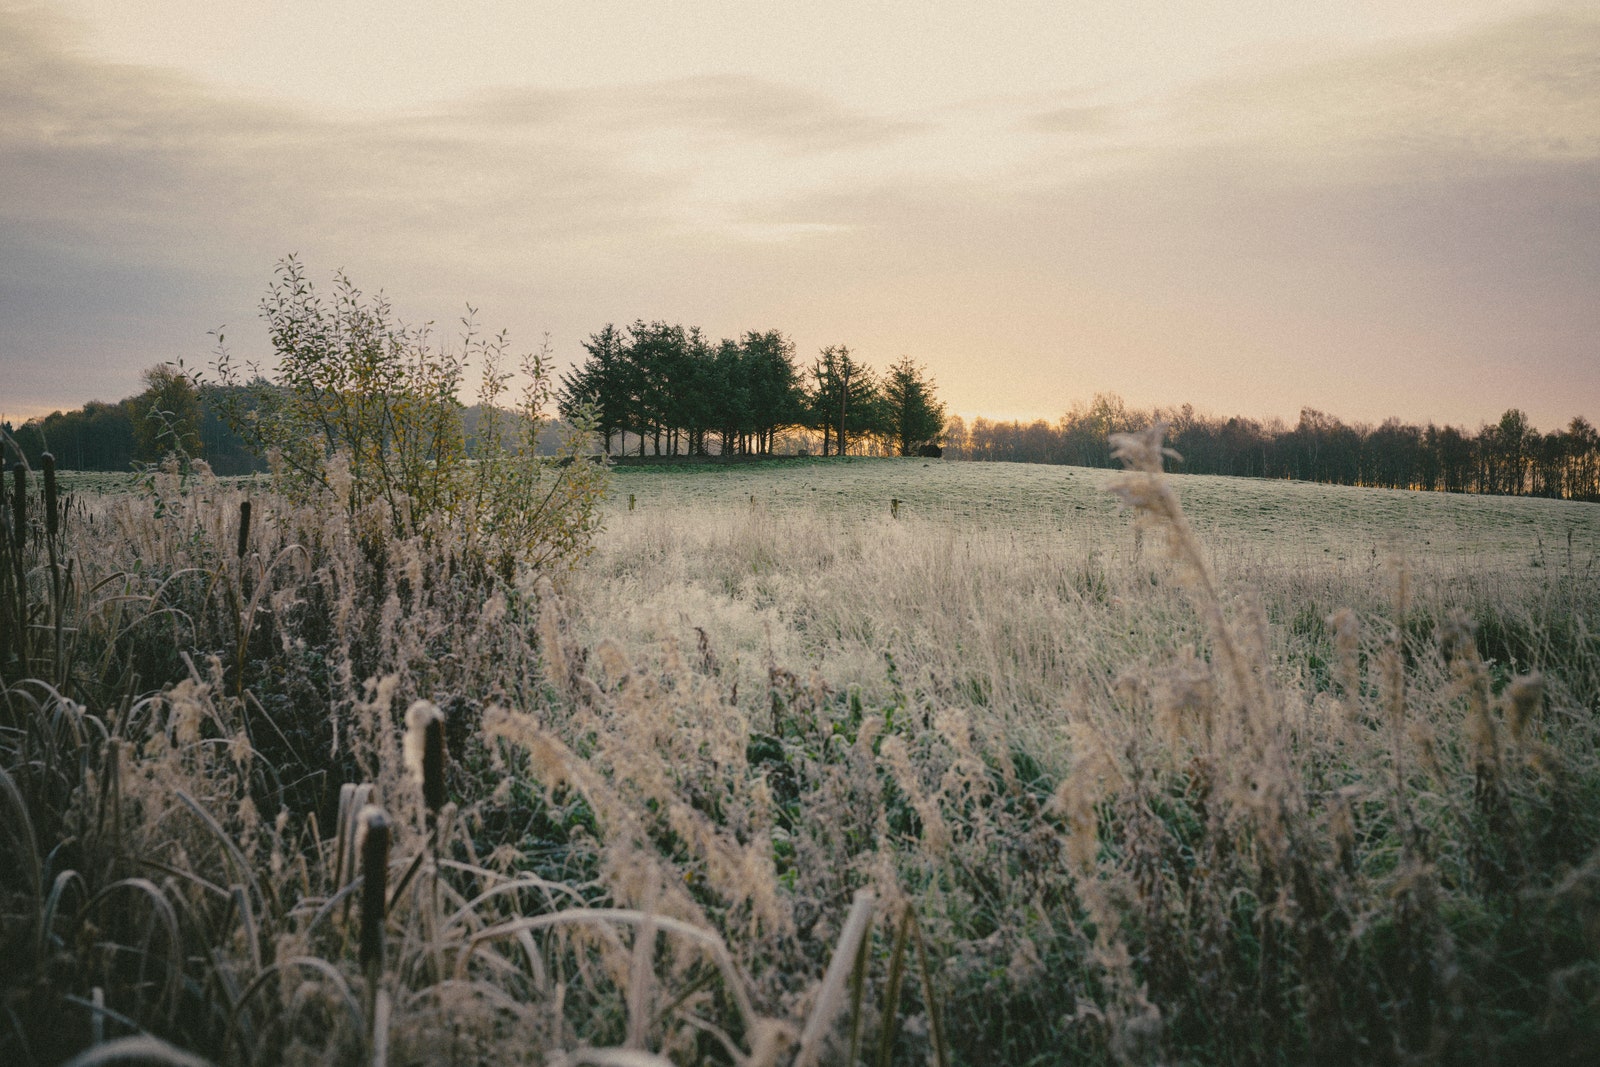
(1347, 646)
(243, 544)
(373, 845)
(1524, 697)
(425, 751)
(19, 505)
(51, 517)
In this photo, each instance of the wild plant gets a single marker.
(365, 411)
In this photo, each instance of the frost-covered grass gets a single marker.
(1290, 522)
(1252, 773)
(806, 559)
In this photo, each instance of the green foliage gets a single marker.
(97, 436)
(672, 388)
(845, 400)
(106, 437)
(166, 416)
(915, 417)
(367, 410)
(677, 392)
(594, 388)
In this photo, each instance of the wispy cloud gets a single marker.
(1076, 118)
(1524, 89)
(1404, 227)
(731, 106)
(1407, 231)
(121, 153)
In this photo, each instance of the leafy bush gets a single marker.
(367, 410)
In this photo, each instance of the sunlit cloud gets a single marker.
(1076, 119)
(729, 106)
(1528, 89)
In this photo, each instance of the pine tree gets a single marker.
(915, 417)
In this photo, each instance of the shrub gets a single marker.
(367, 410)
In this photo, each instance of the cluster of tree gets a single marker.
(672, 390)
(649, 386)
(1508, 457)
(173, 412)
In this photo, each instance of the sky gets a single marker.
(1370, 208)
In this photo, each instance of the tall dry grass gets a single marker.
(1211, 804)
(773, 786)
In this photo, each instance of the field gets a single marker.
(899, 761)
(764, 552)
(1291, 521)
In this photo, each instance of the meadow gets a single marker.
(757, 556)
(894, 761)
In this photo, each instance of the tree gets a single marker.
(597, 389)
(696, 394)
(98, 436)
(1455, 460)
(1393, 455)
(672, 387)
(655, 360)
(822, 403)
(166, 416)
(915, 417)
(843, 398)
(1511, 447)
(1582, 480)
(773, 381)
(226, 453)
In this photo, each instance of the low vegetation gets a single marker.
(767, 782)
(363, 412)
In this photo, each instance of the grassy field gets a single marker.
(1289, 521)
(1295, 774)
(1020, 604)
(1015, 547)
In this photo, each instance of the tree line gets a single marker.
(667, 390)
(652, 387)
(173, 412)
(1509, 457)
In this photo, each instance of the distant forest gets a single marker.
(1510, 457)
(662, 390)
(113, 437)
(116, 437)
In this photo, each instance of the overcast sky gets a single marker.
(1367, 207)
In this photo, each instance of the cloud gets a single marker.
(1407, 231)
(1523, 89)
(141, 208)
(1075, 119)
(119, 153)
(737, 107)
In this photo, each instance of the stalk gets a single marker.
(52, 529)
